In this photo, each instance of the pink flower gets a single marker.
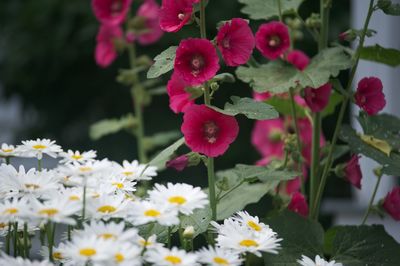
(318, 99)
(352, 171)
(267, 137)
(150, 11)
(298, 204)
(369, 95)
(111, 12)
(298, 59)
(196, 61)
(261, 96)
(179, 99)
(208, 132)
(175, 14)
(179, 163)
(105, 52)
(236, 42)
(272, 39)
(392, 203)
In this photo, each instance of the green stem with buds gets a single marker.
(371, 202)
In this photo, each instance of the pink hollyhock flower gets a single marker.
(267, 137)
(298, 59)
(179, 99)
(105, 52)
(272, 39)
(318, 99)
(236, 42)
(196, 61)
(369, 95)
(179, 163)
(175, 14)
(150, 11)
(207, 131)
(298, 204)
(261, 96)
(392, 203)
(111, 12)
(352, 171)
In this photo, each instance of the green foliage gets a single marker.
(150, 229)
(389, 8)
(267, 9)
(163, 63)
(248, 107)
(278, 77)
(161, 159)
(377, 53)
(110, 126)
(160, 139)
(264, 174)
(200, 220)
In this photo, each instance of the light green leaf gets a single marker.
(224, 77)
(200, 220)
(150, 229)
(278, 77)
(266, 9)
(248, 107)
(163, 63)
(389, 8)
(264, 174)
(160, 139)
(377, 53)
(110, 126)
(161, 159)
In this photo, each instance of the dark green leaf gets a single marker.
(266, 9)
(163, 63)
(150, 229)
(264, 174)
(110, 126)
(160, 139)
(283, 106)
(389, 8)
(377, 53)
(161, 159)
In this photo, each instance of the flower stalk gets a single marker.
(371, 202)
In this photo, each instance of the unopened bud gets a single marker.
(214, 86)
(188, 232)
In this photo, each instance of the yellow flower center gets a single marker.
(129, 197)
(87, 252)
(85, 169)
(145, 243)
(57, 256)
(76, 156)
(118, 185)
(39, 147)
(254, 226)
(127, 173)
(152, 213)
(173, 259)
(7, 150)
(221, 261)
(248, 243)
(32, 186)
(3, 225)
(107, 209)
(49, 212)
(119, 257)
(177, 200)
(107, 236)
(95, 195)
(73, 198)
(11, 211)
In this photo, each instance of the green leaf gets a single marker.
(160, 139)
(363, 245)
(163, 63)
(200, 220)
(248, 107)
(110, 126)
(224, 77)
(300, 237)
(161, 159)
(278, 77)
(389, 8)
(377, 53)
(264, 174)
(150, 229)
(266, 9)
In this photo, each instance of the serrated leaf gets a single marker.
(377, 53)
(266, 9)
(389, 8)
(200, 220)
(160, 139)
(161, 159)
(163, 63)
(248, 107)
(379, 144)
(110, 126)
(278, 77)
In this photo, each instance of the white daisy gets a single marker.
(18, 261)
(306, 261)
(13, 210)
(109, 231)
(118, 184)
(36, 148)
(72, 194)
(144, 212)
(71, 156)
(107, 207)
(251, 222)
(4, 226)
(125, 254)
(88, 168)
(136, 171)
(218, 257)
(182, 197)
(149, 243)
(174, 257)
(8, 150)
(55, 210)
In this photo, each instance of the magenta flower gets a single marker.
(175, 14)
(272, 39)
(178, 163)
(196, 61)
(318, 99)
(111, 12)
(266, 137)
(179, 99)
(261, 96)
(150, 11)
(369, 95)
(236, 42)
(298, 59)
(392, 203)
(352, 171)
(105, 52)
(207, 131)
(298, 204)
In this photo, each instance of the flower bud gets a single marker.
(179, 163)
(298, 204)
(188, 232)
(391, 203)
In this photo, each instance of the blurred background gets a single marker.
(50, 87)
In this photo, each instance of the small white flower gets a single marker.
(88, 168)
(218, 257)
(36, 148)
(148, 243)
(144, 212)
(71, 156)
(174, 257)
(306, 261)
(107, 207)
(136, 171)
(118, 184)
(253, 223)
(18, 261)
(8, 150)
(72, 194)
(125, 254)
(109, 231)
(55, 210)
(13, 210)
(181, 197)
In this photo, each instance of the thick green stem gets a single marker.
(7, 159)
(248, 259)
(315, 157)
(15, 239)
(324, 11)
(211, 188)
(50, 239)
(316, 204)
(26, 237)
(371, 202)
(8, 238)
(40, 165)
(203, 29)
(280, 10)
(83, 205)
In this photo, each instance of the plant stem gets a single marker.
(26, 236)
(316, 204)
(203, 29)
(15, 239)
(7, 159)
(50, 239)
(169, 237)
(40, 165)
(8, 238)
(211, 184)
(315, 156)
(371, 202)
(248, 261)
(280, 10)
(83, 205)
